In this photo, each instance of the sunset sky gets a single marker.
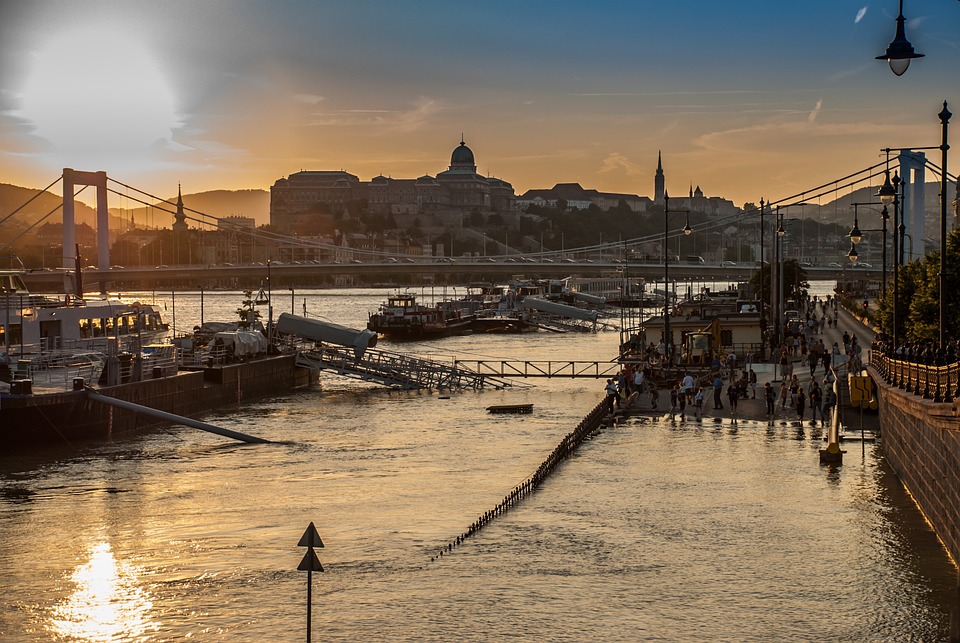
(745, 99)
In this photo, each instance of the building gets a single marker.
(300, 200)
(576, 196)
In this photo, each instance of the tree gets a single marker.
(248, 312)
(918, 297)
(795, 282)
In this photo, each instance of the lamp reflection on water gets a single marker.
(108, 603)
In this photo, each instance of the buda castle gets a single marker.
(298, 199)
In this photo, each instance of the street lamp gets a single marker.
(897, 242)
(944, 116)
(899, 52)
(666, 271)
(763, 320)
(884, 217)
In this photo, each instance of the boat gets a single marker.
(401, 317)
(42, 334)
(61, 357)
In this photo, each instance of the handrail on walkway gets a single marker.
(931, 382)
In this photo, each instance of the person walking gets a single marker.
(699, 402)
(613, 395)
(801, 404)
(770, 397)
(733, 394)
(717, 393)
(674, 394)
(816, 399)
(753, 383)
(783, 393)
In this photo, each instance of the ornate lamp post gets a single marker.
(899, 52)
(944, 116)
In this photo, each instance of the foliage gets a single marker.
(918, 297)
(248, 312)
(795, 282)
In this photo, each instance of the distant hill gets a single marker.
(216, 203)
(13, 196)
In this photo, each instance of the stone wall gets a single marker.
(921, 441)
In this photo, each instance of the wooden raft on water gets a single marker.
(511, 408)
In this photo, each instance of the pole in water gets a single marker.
(310, 563)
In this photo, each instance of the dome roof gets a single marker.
(462, 155)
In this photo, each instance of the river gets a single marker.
(654, 530)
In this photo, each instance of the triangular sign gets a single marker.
(310, 562)
(310, 538)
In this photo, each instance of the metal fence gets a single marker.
(937, 383)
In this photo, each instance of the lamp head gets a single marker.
(855, 234)
(899, 52)
(887, 191)
(853, 255)
(687, 230)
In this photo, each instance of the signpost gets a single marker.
(310, 564)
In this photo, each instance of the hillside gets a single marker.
(217, 203)
(13, 196)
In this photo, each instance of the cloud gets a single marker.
(309, 99)
(617, 162)
(816, 111)
(860, 14)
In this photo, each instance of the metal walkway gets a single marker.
(395, 369)
(517, 368)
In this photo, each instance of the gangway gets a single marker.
(559, 368)
(394, 369)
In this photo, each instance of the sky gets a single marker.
(749, 99)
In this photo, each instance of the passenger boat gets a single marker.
(401, 317)
(40, 331)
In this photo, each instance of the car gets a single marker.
(510, 260)
(355, 261)
(489, 260)
(806, 264)
(116, 267)
(409, 260)
(728, 264)
(547, 260)
(834, 264)
(166, 266)
(570, 260)
(391, 260)
(862, 264)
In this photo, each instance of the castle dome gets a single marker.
(462, 157)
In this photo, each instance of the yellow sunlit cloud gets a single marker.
(97, 96)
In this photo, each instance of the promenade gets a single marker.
(756, 409)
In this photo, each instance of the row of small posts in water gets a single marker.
(587, 427)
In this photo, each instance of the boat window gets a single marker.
(86, 328)
(97, 325)
(16, 335)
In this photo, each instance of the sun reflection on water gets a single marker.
(108, 603)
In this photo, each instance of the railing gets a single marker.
(517, 368)
(939, 383)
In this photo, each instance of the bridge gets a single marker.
(251, 276)
(335, 264)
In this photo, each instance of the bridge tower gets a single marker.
(71, 178)
(913, 207)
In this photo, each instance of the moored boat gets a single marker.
(401, 317)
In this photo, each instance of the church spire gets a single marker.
(180, 218)
(658, 182)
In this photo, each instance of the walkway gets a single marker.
(756, 409)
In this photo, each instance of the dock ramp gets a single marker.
(394, 370)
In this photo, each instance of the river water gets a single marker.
(654, 530)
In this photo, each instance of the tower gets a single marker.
(658, 182)
(180, 218)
